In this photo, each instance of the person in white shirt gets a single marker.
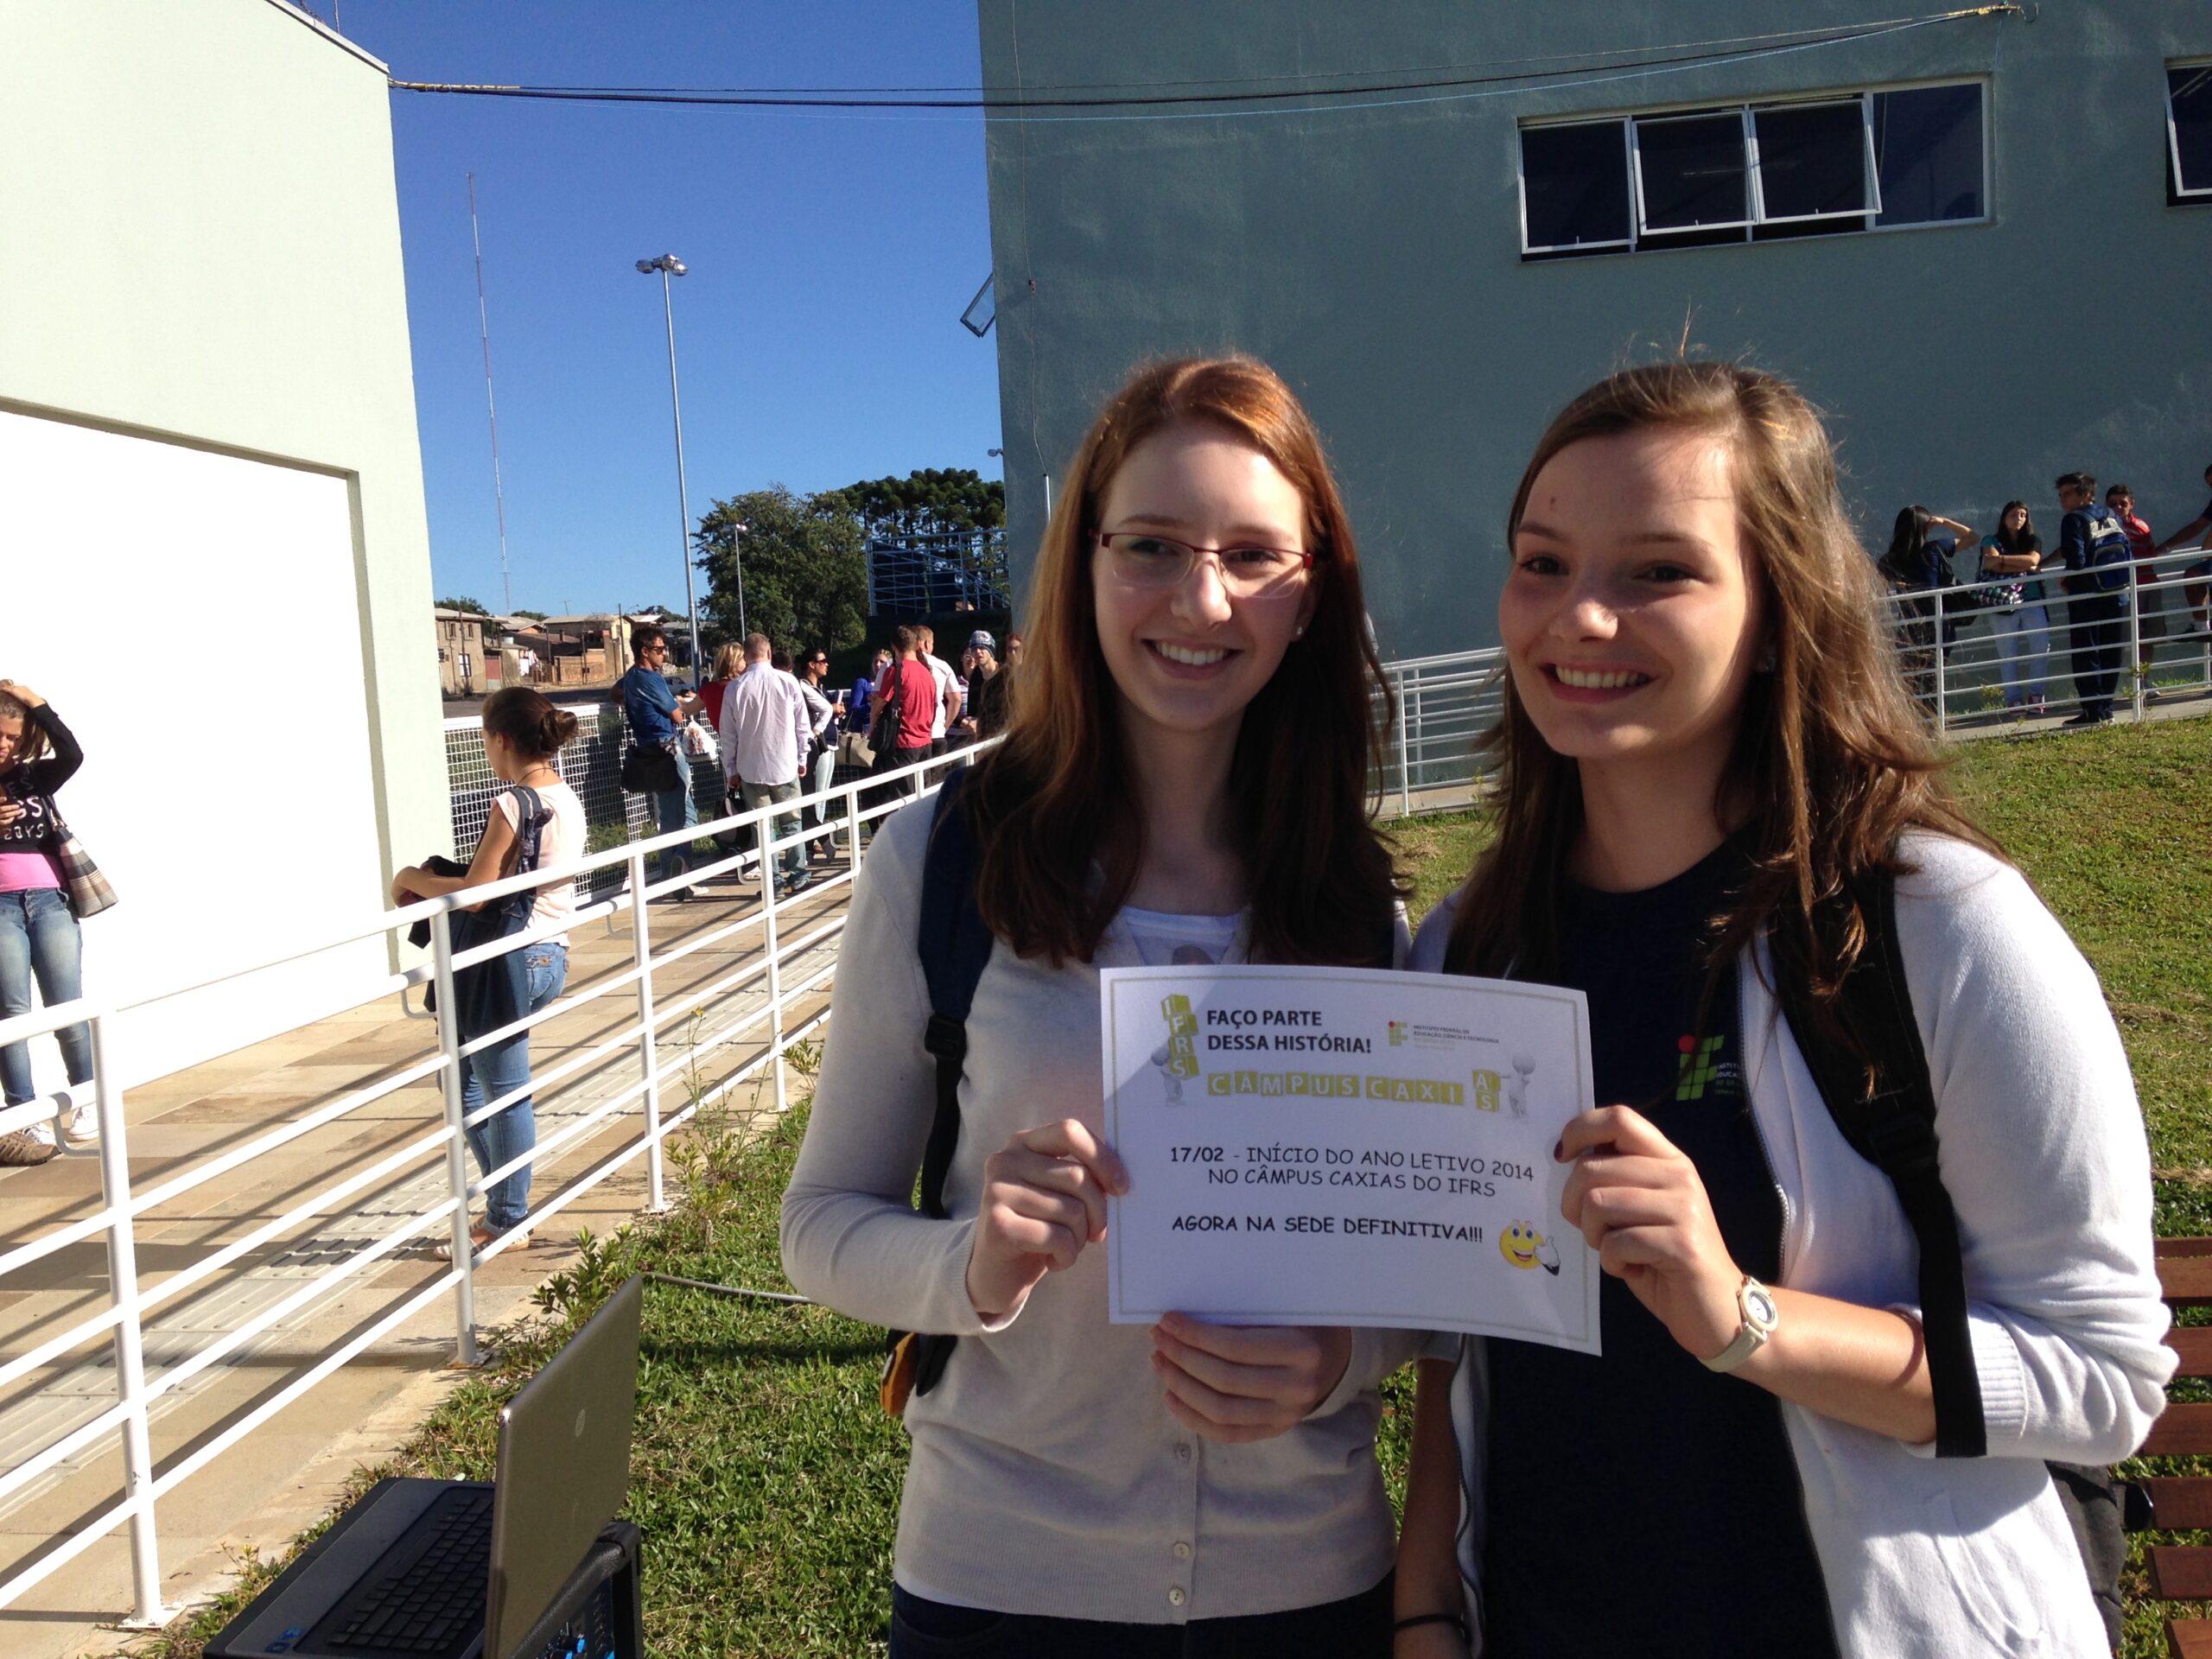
(524, 733)
(766, 733)
(948, 689)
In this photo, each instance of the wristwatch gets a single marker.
(1755, 1304)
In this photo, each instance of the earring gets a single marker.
(1298, 633)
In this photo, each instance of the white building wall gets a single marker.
(212, 439)
(213, 771)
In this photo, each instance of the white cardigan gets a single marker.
(2044, 1154)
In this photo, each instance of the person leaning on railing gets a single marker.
(523, 733)
(38, 938)
(2020, 622)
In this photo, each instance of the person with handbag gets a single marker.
(1818, 1424)
(2013, 594)
(1080, 1489)
(40, 943)
(535, 821)
(656, 763)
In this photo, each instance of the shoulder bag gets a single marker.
(89, 891)
(495, 992)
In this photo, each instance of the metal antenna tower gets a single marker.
(490, 408)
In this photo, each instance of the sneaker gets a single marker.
(82, 1125)
(481, 1234)
(26, 1148)
(796, 885)
(2085, 718)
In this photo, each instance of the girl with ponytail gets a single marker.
(524, 732)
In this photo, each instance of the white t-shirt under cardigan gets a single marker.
(2044, 1154)
(1047, 1477)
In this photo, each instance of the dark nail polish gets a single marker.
(1558, 1149)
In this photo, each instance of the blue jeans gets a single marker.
(794, 852)
(39, 941)
(501, 1069)
(674, 809)
(2023, 650)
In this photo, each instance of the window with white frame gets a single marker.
(1813, 166)
(2189, 132)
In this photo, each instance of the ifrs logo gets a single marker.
(1697, 1066)
(1182, 1059)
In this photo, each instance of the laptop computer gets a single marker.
(441, 1569)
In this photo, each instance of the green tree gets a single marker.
(805, 570)
(463, 604)
(933, 501)
(534, 616)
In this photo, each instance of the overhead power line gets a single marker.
(1140, 96)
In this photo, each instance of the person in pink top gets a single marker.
(40, 944)
(2150, 602)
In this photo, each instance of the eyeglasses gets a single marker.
(1144, 560)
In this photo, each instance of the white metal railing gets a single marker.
(1444, 704)
(786, 966)
(1972, 664)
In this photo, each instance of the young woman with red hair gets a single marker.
(1184, 778)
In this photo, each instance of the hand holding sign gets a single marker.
(1246, 1382)
(1643, 1206)
(1044, 1200)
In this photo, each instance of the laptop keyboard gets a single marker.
(428, 1599)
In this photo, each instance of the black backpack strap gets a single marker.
(1893, 1128)
(530, 826)
(954, 944)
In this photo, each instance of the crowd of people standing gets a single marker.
(2078, 592)
(779, 729)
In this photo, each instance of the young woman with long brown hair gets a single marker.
(1705, 757)
(537, 822)
(1184, 778)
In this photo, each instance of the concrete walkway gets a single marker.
(286, 1474)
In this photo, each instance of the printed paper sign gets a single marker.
(1345, 1145)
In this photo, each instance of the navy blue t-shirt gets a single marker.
(1682, 1522)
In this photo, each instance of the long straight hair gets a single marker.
(2025, 540)
(1830, 757)
(1060, 797)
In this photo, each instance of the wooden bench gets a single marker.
(2183, 1502)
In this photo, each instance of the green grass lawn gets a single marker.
(766, 1479)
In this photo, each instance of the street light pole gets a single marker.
(668, 265)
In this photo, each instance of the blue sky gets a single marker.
(816, 334)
